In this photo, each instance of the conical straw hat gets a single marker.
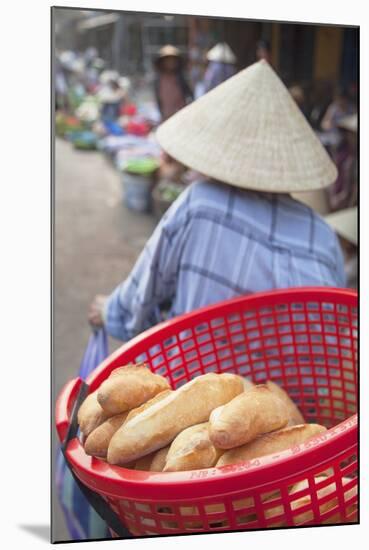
(349, 123)
(169, 51)
(249, 132)
(221, 52)
(344, 222)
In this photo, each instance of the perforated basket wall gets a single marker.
(303, 339)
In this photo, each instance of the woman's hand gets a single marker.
(95, 314)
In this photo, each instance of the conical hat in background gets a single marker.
(169, 51)
(348, 123)
(249, 132)
(344, 222)
(221, 52)
(108, 75)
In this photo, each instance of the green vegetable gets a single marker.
(142, 166)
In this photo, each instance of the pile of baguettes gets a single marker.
(136, 421)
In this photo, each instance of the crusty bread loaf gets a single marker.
(270, 443)
(144, 462)
(97, 442)
(294, 413)
(192, 450)
(153, 462)
(134, 412)
(159, 424)
(253, 412)
(90, 414)
(129, 387)
(247, 384)
(159, 459)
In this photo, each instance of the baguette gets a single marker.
(144, 462)
(129, 465)
(192, 450)
(134, 412)
(159, 459)
(97, 442)
(153, 462)
(129, 387)
(252, 413)
(247, 384)
(159, 424)
(294, 413)
(90, 414)
(270, 443)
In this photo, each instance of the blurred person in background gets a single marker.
(221, 66)
(340, 107)
(343, 193)
(263, 51)
(172, 91)
(236, 230)
(345, 223)
(94, 66)
(76, 86)
(298, 95)
(197, 70)
(90, 54)
(320, 99)
(111, 96)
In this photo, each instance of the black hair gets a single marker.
(158, 61)
(263, 43)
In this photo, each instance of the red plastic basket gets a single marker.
(304, 339)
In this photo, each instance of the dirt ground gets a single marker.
(97, 241)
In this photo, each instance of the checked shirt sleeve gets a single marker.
(135, 304)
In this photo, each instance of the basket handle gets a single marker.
(64, 405)
(72, 396)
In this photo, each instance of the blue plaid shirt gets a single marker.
(217, 242)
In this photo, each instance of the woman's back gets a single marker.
(236, 242)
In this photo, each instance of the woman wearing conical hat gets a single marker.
(236, 230)
(172, 91)
(221, 66)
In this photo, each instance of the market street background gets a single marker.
(97, 240)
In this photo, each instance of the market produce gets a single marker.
(88, 110)
(98, 441)
(269, 443)
(91, 414)
(294, 413)
(192, 450)
(252, 413)
(158, 425)
(144, 166)
(86, 140)
(66, 124)
(129, 387)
